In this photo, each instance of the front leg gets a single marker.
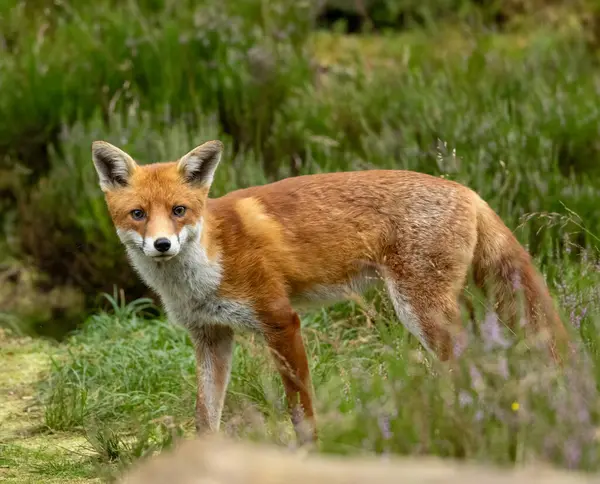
(281, 328)
(214, 350)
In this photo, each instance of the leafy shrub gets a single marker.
(70, 60)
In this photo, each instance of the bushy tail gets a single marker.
(503, 268)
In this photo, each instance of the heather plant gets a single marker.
(513, 120)
(488, 122)
(69, 60)
(376, 389)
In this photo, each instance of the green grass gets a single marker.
(126, 381)
(45, 464)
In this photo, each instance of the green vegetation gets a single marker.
(512, 115)
(503, 98)
(128, 383)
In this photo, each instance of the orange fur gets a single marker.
(311, 237)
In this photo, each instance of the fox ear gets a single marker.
(113, 165)
(198, 166)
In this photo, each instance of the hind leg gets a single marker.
(434, 321)
(425, 293)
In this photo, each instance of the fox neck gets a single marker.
(192, 273)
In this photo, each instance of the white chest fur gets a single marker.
(188, 285)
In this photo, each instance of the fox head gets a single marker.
(156, 208)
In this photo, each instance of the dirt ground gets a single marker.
(28, 452)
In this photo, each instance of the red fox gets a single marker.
(244, 261)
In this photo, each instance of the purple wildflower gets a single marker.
(464, 398)
(583, 415)
(460, 344)
(384, 426)
(576, 318)
(503, 369)
(476, 379)
(572, 453)
(492, 332)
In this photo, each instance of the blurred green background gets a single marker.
(502, 96)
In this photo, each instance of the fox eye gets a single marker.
(179, 211)
(137, 214)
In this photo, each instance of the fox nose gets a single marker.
(162, 244)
